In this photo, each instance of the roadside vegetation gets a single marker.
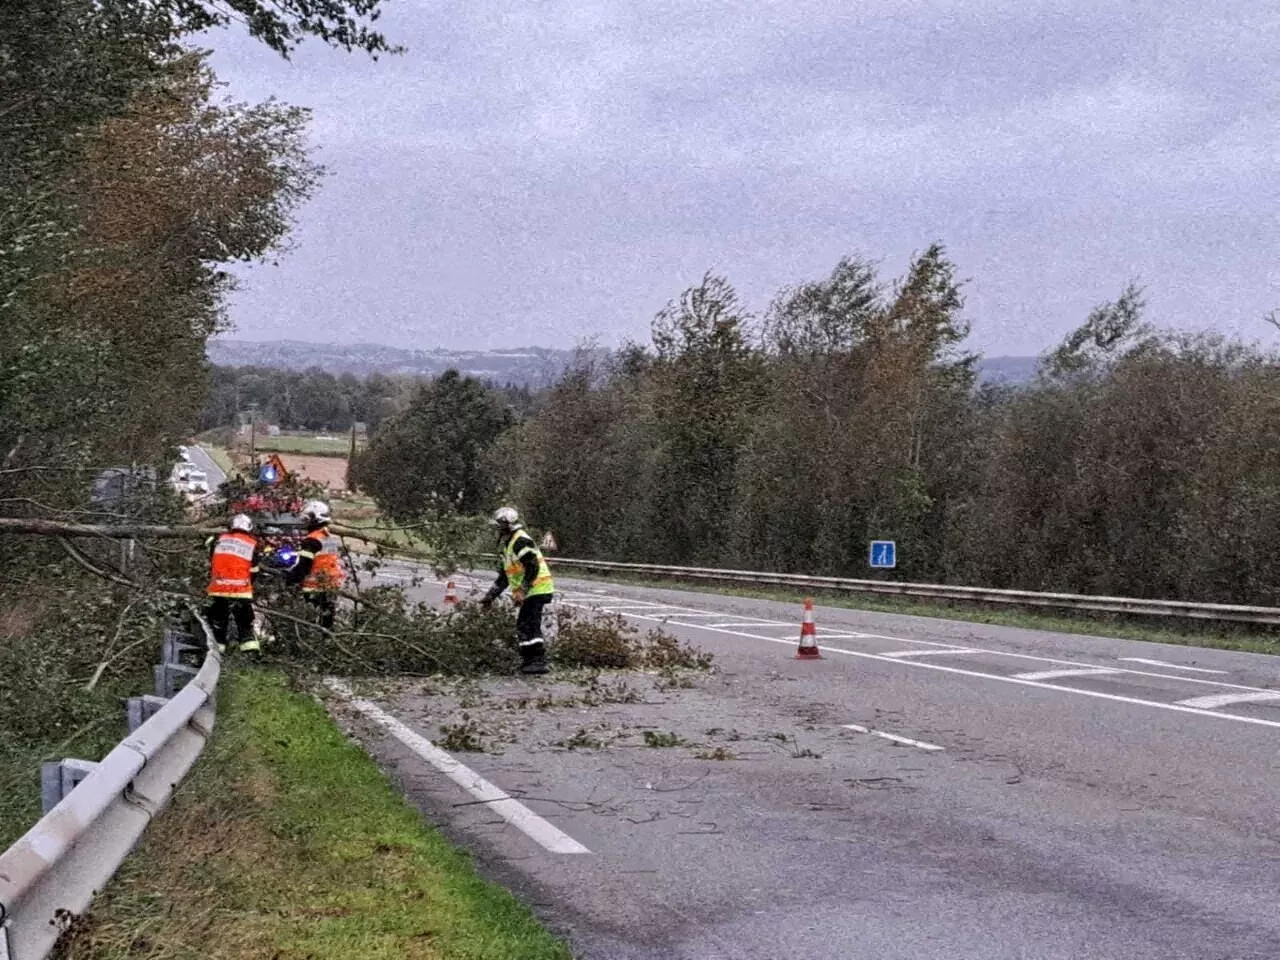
(287, 841)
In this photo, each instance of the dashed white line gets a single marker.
(513, 811)
(1215, 700)
(892, 736)
(1175, 666)
(903, 654)
(1062, 674)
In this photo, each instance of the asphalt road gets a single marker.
(929, 789)
(206, 463)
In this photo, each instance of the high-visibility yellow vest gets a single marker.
(511, 560)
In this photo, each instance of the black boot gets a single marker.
(533, 658)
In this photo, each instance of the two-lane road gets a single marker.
(929, 789)
(200, 457)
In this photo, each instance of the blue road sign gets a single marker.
(883, 554)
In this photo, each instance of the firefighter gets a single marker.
(319, 567)
(234, 558)
(523, 568)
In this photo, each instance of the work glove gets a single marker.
(488, 598)
(517, 596)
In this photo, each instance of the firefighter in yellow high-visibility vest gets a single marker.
(523, 569)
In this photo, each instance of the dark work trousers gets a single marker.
(529, 620)
(222, 610)
(326, 603)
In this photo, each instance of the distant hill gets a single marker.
(1010, 370)
(534, 366)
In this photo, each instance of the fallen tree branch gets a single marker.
(58, 528)
(84, 562)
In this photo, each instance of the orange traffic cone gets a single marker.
(808, 635)
(450, 593)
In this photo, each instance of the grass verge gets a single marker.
(89, 732)
(1216, 637)
(287, 842)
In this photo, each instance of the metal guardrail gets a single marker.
(1227, 612)
(49, 876)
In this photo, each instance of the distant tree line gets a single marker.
(315, 399)
(1137, 462)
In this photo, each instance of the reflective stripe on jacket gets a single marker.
(326, 574)
(511, 561)
(231, 569)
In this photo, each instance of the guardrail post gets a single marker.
(59, 778)
(167, 675)
(141, 709)
(177, 644)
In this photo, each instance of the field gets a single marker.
(316, 446)
(331, 471)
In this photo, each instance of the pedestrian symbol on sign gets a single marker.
(549, 541)
(884, 554)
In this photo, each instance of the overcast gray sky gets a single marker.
(536, 172)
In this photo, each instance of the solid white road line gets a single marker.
(893, 736)
(1059, 674)
(1175, 666)
(1074, 691)
(739, 623)
(513, 811)
(1224, 699)
(903, 654)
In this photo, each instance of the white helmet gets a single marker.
(506, 517)
(316, 510)
(242, 522)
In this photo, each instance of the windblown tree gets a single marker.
(706, 381)
(128, 186)
(431, 460)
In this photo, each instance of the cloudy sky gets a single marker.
(537, 172)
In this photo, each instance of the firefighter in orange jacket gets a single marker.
(319, 567)
(234, 558)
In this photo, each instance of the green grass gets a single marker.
(287, 842)
(1217, 636)
(98, 725)
(338, 447)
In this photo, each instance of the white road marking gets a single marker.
(893, 736)
(1059, 674)
(736, 623)
(997, 653)
(513, 811)
(1175, 666)
(902, 654)
(1215, 700)
(680, 612)
(1074, 691)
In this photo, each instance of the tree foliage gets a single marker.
(1139, 462)
(430, 460)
